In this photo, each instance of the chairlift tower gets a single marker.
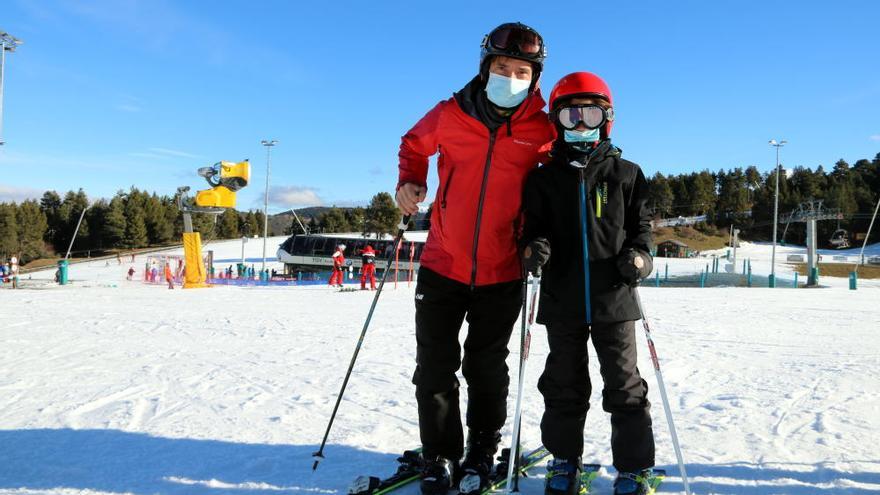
(809, 213)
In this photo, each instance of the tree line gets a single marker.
(745, 197)
(132, 219)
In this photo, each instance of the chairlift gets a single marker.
(839, 239)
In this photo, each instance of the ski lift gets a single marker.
(839, 239)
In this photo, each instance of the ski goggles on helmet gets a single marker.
(515, 40)
(592, 116)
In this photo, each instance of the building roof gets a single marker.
(674, 242)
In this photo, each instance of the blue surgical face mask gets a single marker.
(585, 136)
(507, 92)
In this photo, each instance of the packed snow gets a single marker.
(110, 387)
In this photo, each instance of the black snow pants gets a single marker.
(565, 385)
(442, 305)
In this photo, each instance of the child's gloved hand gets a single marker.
(633, 266)
(535, 255)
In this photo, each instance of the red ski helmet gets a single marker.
(582, 84)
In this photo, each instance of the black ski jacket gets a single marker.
(617, 217)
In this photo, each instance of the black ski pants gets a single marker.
(565, 385)
(442, 305)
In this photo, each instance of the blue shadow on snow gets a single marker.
(124, 462)
(118, 461)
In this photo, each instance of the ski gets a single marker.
(410, 466)
(654, 479)
(589, 472)
(527, 462)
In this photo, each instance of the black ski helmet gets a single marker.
(516, 40)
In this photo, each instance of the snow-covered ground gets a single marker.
(111, 387)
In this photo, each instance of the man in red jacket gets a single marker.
(368, 267)
(337, 277)
(489, 135)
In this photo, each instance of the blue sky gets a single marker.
(104, 95)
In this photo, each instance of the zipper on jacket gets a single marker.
(446, 188)
(492, 135)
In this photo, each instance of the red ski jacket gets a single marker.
(474, 220)
(338, 259)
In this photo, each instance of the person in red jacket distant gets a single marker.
(168, 276)
(489, 136)
(336, 277)
(368, 268)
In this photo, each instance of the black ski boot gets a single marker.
(632, 483)
(563, 477)
(437, 475)
(478, 461)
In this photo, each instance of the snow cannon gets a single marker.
(225, 178)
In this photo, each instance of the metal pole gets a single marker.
(525, 342)
(305, 230)
(2, 74)
(7, 44)
(401, 228)
(81, 215)
(268, 145)
(867, 236)
(775, 213)
(656, 361)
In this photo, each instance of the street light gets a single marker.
(268, 144)
(7, 44)
(772, 280)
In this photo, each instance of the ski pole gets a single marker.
(666, 408)
(401, 228)
(512, 471)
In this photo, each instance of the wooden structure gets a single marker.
(671, 248)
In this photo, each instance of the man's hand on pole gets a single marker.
(409, 196)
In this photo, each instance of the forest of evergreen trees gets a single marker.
(134, 219)
(744, 197)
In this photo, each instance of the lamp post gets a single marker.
(268, 144)
(7, 44)
(772, 280)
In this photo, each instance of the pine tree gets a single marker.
(50, 203)
(113, 230)
(356, 219)
(703, 194)
(660, 195)
(382, 215)
(96, 216)
(259, 217)
(69, 214)
(733, 197)
(9, 228)
(31, 231)
(227, 225)
(135, 227)
(251, 224)
(333, 220)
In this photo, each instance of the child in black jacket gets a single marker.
(588, 201)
